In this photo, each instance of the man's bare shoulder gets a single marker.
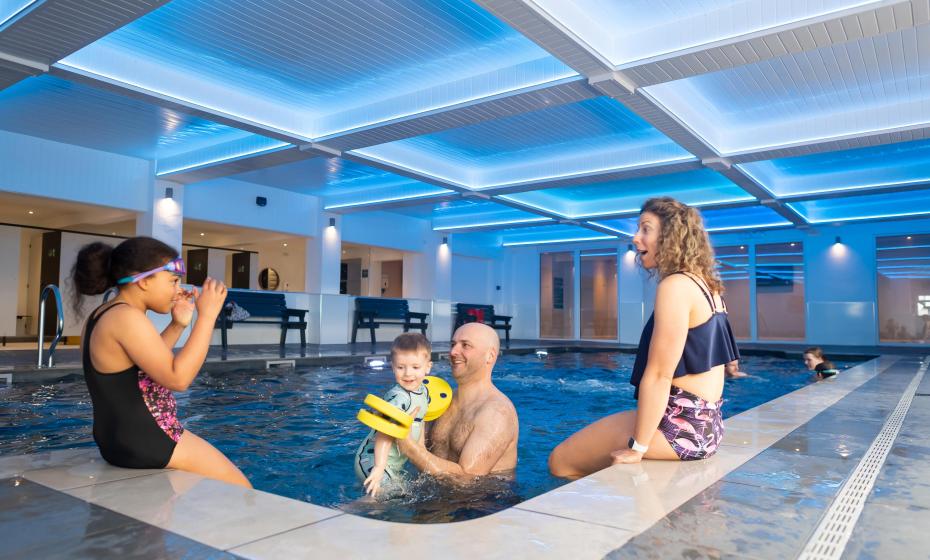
(497, 407)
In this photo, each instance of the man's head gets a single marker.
(410, 360)
(474, 351)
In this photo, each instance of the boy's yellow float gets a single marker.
(393, 421)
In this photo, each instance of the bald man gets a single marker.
(478, 434)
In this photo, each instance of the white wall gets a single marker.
(472, 280)
(38, 167)
(227, 201)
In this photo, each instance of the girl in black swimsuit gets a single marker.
(130, 368)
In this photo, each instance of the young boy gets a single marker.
(378, 461)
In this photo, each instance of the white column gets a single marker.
(324, 254)
(632, 296)
(165, 218)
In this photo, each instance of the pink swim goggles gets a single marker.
(176, 266)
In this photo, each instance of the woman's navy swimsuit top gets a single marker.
(708, 345)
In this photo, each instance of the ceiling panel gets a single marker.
(318, 67)
(880, 83)
(63, 111)
(698, 188)
(865, 207)
(596, 135)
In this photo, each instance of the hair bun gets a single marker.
(91, 273)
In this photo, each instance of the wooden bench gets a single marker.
(265, 308)
(475, 312)
(371, 313)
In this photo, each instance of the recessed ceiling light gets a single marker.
(908, 237)
(742, 247)
(202, 234)
(792, 244)
(31, 212)
(285, 244)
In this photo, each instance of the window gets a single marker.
(903, 267)
(733, 267)
(599, 295)
(780, 306)
(556, 295)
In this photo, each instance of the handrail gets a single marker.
(51, 288)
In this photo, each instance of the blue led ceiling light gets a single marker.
(864, 207)
(589, 137)
(62, 111)
(544, 235)
(637, 30)
(283, 69)
(900, 164)
(222, 153)
(785, 102)
(468, 214)
(12, 10)
(697, 188)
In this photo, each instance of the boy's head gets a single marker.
(731, 368)
(410, 360)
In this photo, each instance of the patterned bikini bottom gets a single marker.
(692, 425)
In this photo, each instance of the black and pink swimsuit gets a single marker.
(692, 425)
(135, 418)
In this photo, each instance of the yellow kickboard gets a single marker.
(382, 425)
(440, 397)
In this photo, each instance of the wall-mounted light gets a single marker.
(445, 240)
(169, 192)
(332, 222)
(838, 240)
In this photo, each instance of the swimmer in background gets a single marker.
(732, 371)
(378, 461)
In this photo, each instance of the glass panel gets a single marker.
(903, 266)
(599, 296)
(556, 295)
(733, 266)
(780, 291)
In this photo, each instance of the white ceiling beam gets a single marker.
(51, 30)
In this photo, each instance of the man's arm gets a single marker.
(495, 429)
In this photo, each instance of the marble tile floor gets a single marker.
(760, 497)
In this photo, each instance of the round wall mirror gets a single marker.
(268, 279)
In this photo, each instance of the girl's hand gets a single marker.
(183, 311)
(211, 299)
(373, 482)
(626, 456)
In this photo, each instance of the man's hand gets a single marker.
(406, 444)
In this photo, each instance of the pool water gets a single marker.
(294, 432)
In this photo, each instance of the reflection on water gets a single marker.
(294, 432)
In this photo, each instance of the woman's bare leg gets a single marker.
(589, 449)
(194, 454)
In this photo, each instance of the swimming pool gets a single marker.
(294, 432)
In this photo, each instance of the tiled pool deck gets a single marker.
(762, 496)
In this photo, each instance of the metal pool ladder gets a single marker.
(50, 289)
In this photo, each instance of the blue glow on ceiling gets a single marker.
(864, 207)
(749, 217)
(596, 135)
(222, 153)
(466, 214)
(715, 220)
(11, 10)
(849, 170)
(369, 61)
(63, 111)
(870, 85)
(635, 30)
(698, 188)
(544, 235)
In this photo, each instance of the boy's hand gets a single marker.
(373, 482)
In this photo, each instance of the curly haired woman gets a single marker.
(679, 368)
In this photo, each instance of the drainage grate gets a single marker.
(269, 364)
(830, 538)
